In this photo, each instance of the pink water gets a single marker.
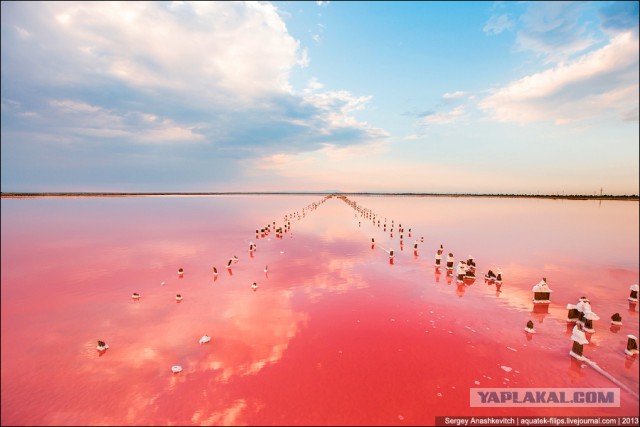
(334, 334)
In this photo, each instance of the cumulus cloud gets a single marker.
(207, 55)
(498, 24)
(601, 82)
(215, 75)
(241, 49)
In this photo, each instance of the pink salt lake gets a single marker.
(334, 333)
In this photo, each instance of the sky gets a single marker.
(435, 97)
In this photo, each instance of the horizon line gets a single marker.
(14, 194)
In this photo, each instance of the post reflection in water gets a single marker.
(540, 311)
(332, 335)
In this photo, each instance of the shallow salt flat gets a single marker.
(324, 311)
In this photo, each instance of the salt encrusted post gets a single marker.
(471, 262)
(579, 340)
(632, 346)
(633, 296)
(529, 328)
(469, 275)
(586, 315)
(541, 292)
(616, 323)
(573, 315)
(583, 306)
(490, 276)
(589, 317)
(461, 270)
(616, 319)
(450, 261)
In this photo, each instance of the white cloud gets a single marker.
(84, 120)
(123, 76)
(554, 30)
(444, 117)
(313, 85)
(68, 105)
(169, 132)
(341, 100)
(316, 37)
(455, 95)
(235, 50)
(498, 24)
(10, 104)
(597, 83)
(334, 109)
(322, 3)
(303, 61)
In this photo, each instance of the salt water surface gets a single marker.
(335, 332)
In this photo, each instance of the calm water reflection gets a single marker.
(334, 334)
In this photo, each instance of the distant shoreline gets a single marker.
(634, 197)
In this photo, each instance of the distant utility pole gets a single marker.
(601, 191)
